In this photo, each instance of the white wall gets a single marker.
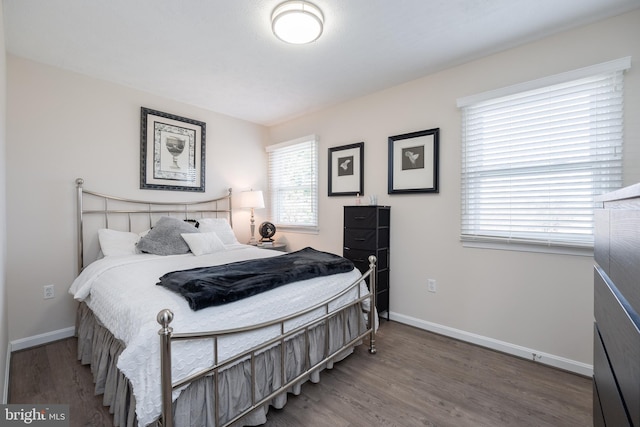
(63, 125)
(4, 334)
(541, 302)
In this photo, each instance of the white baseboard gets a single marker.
(502, 346)
(60, 334)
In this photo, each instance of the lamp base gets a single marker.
(252, 240)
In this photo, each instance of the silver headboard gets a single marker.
(97, 211)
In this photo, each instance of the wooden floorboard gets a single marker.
(50, 374)
(417, 378)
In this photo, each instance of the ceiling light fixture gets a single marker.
(297, 22)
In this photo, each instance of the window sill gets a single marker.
(300, 230)
(521, 247)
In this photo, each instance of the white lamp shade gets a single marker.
(297, 22)
(251, 199)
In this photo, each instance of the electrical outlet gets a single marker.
(49, 291)
(431, 285)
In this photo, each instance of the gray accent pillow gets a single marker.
(165, 239)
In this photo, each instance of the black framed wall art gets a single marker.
(172, 152)
(346, 170)
(413, 162)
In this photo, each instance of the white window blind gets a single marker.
(293, 183)
(533, 161)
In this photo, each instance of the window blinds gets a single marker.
(293, 183)
(533, 161)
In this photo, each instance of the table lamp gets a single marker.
(252, 199)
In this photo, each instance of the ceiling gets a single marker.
(221, 54)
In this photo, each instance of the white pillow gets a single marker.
(113, 242)
(220, 226)
(203, 243)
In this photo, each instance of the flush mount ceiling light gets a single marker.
(297, 22)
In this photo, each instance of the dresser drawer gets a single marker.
(621, 339)
(365, 217)
(382, 301)
(362, 238)
(382, 282)
(606, 387)
(598, 418)
(361, 258)
(601, 239)
(624, 254)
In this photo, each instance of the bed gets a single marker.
(159, 362)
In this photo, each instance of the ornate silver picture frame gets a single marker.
(172, 152)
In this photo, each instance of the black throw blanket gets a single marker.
(208, 286)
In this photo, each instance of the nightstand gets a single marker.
(366, 232)
(282, 247)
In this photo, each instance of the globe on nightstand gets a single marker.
(267, 230)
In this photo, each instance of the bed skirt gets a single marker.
(98, 347)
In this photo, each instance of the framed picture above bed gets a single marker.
(346, 170)
(172, 152)
(413, 162)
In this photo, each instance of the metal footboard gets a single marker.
(167, 336)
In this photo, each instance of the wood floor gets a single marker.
(416, 379)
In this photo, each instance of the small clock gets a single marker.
(267, 230)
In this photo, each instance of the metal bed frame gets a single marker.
(201, 209)
(111, 207)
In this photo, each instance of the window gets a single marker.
(534, 156)
(293, 184)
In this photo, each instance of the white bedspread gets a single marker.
(122, 293)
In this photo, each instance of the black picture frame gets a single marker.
(413, 162)
(346, 170)
(172, 152)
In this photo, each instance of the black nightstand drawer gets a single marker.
(362, 238)
(365, 217)
(382, 283)
(382, 301)
(360, 258)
